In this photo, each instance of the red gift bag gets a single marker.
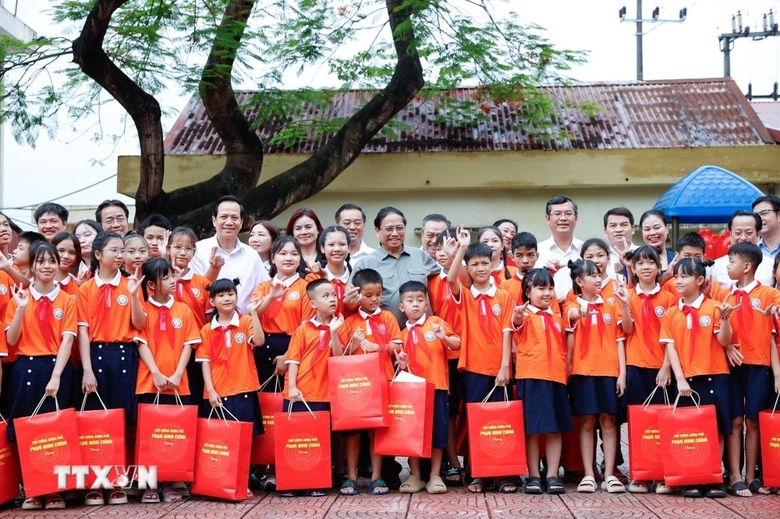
(411, 421)
(165, 438)
(689, 445)
(644, 440)
(358, 392)
(496, 437)
(221, 465)
(9, 466)
(263, 444)
(571, 454)
(46, 441)
(769, 427)
(102, 438)
(303, 450)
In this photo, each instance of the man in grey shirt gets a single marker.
(394, 261)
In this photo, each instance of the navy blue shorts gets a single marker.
(456, 386)
(275, 344)
(298, 407)
(748, 387)
(148, 398)
(244, 406)
(441, 419)
(115, 365)
(640, 382)
(713, 389)
(28, 382)
(477, 386)
(593, 395)
(546, 407)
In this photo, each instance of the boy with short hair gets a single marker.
(370, 330)
(751, 354)
(21, 254)
(156, 229)
(486, 345)
(692, 245)
(524, 254)
(426, 343)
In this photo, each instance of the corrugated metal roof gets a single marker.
(769, 113)
(651, 114)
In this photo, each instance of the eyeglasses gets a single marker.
(179, 248)
(765, 212)
(111, 220)
(397, 228)
(558, 214)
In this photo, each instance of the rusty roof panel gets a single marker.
(652, 114)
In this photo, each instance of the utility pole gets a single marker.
(640, 75)
(727, 40)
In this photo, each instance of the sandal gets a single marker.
(637, 487)
(436, 486)
(757, 487)
(454, 477)
(94, 498)
(554, 486)
(378, 487)
(54, 502)
(740, 489)
(692, 492)
(476, 482)
(288, 493)
(504, 486)
(412, 485)
(182, 488)
(716, 491)
(318, 493)
(661, 488)
(349, 488)
(117, 497)
(613, 485)
(32, 503)
(150, 496)
(587, 485)
(169, 495)
(533, 486)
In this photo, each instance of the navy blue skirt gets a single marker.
(593, 395)
(546, 408)
(275, 344)
(640, 382)
(244, 406)
(115, 365)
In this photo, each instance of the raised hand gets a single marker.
(253, 305)
(464, 237)
(277, 289)
(216, 260)
(20, 295)
(134, 282)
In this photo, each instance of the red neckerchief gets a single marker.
(692, 314)
(411, 345)
(164, 325)
(744, 315)
(594, 309)
(43, 313)
(497, 276)
(102, 309)
(443, 292)
(651, 324)
(375, 322)
(486, 321)
(184, 290)
(340, 287)
(219, 345)
(325, 338)
(549, 328)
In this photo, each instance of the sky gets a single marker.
(671, 51)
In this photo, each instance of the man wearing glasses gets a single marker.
(768, 209)
(562, 246)
(394, 261)
(112, 216)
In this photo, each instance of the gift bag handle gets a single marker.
(276, 383)
(175, 394)
(221, 410)
(40, 404)
(3, 420)
(398, 370)
(694, 396)
(84, 402)
(774, 408)
(289, 410)
(650, 398)
(506, 395)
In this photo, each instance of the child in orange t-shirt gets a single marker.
(695, 332)
(692, 245)
(334, 249)
(426, 342)
(69, 249)
(486, 314)
(597, 363)
(41, 323)
(753, 358)
(597, 251)
(306, 381)
(542, 372)
(493, 238)
(370, 330)
(524, 252)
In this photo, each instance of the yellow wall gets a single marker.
(478, 188)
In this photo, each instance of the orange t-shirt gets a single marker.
(385, 325)
(287, 313)
(643, 348)
(430, 353)
(750, 329)
(166, 340)
(304, 350)
(717, 292)
(515, 288)
(233, 369)
(486, 318)
(69, 286)
(595, 350)
(33, 341)
(339, 283)
(443, 305)
(499, 276)
(541, 355)
(607, 292)
(191, 290)
(697, 346)
(108, 320)
(5, 295)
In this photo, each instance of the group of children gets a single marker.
(128, 326)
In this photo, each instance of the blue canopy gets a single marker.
(707, 195)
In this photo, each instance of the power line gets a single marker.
(30, 206)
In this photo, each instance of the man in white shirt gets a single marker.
(562, 246)
(353, 219)
(768, 209)
(619, 230)
(240, 260)
(744, 226)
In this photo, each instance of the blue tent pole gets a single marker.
(675, 232)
